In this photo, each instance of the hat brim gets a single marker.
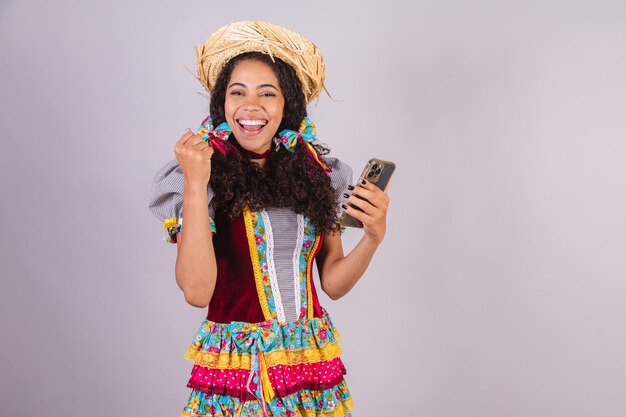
(255, 36)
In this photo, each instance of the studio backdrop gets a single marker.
(499, 289)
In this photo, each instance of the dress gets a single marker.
(267, 343)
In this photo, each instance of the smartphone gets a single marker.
(376, 171)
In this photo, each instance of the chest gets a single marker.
(265, 255)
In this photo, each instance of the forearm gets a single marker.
(340, 273)
(339, 277)
(196, 268)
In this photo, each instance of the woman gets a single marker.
(267, 347)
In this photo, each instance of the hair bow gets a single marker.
(289, 138)
(218, 138)
(221, 132)
(306, 135)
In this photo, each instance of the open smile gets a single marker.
(251, 127)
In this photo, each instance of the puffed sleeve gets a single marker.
(166, 199)
(340, 178)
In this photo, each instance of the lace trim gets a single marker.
(235, 360)
(343, 408)
(271, 268)
(254, 257)
(296, 264)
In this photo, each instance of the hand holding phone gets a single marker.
(377, 172)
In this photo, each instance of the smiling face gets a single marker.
(253, 105)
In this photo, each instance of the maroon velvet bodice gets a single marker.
(235, 296)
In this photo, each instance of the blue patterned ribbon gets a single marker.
(207, 131)
(289, 138)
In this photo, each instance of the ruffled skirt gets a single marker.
(267, 369)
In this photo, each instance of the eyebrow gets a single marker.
(260, 86)
(269, 85)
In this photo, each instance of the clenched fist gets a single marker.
(194, 157)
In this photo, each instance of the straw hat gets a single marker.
(254, 36)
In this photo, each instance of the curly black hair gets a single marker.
(290, 179)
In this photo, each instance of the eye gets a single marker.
(268, 94)
(236, 93)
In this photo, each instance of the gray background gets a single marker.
(499, 290)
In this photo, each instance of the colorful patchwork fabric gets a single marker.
(274, 367)
(260, 239)
(229, 345)
(310, 242)
(334, 402)
(230, 360)
(255, 230)
(271, 349)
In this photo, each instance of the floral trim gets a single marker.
(308, 248)
(309, 275)
(260, 244)
(231, 345)
(174, 226)
(334, 402)
(255, 235)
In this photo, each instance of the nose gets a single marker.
(252, 103)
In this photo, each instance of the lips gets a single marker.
(251, 126)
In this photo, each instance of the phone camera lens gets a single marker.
(374, 167)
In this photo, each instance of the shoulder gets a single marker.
(166, 195)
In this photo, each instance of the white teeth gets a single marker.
(253, 122)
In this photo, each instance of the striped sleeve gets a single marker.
(166, 199)
(340, 178)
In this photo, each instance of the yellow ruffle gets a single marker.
(235, 360)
